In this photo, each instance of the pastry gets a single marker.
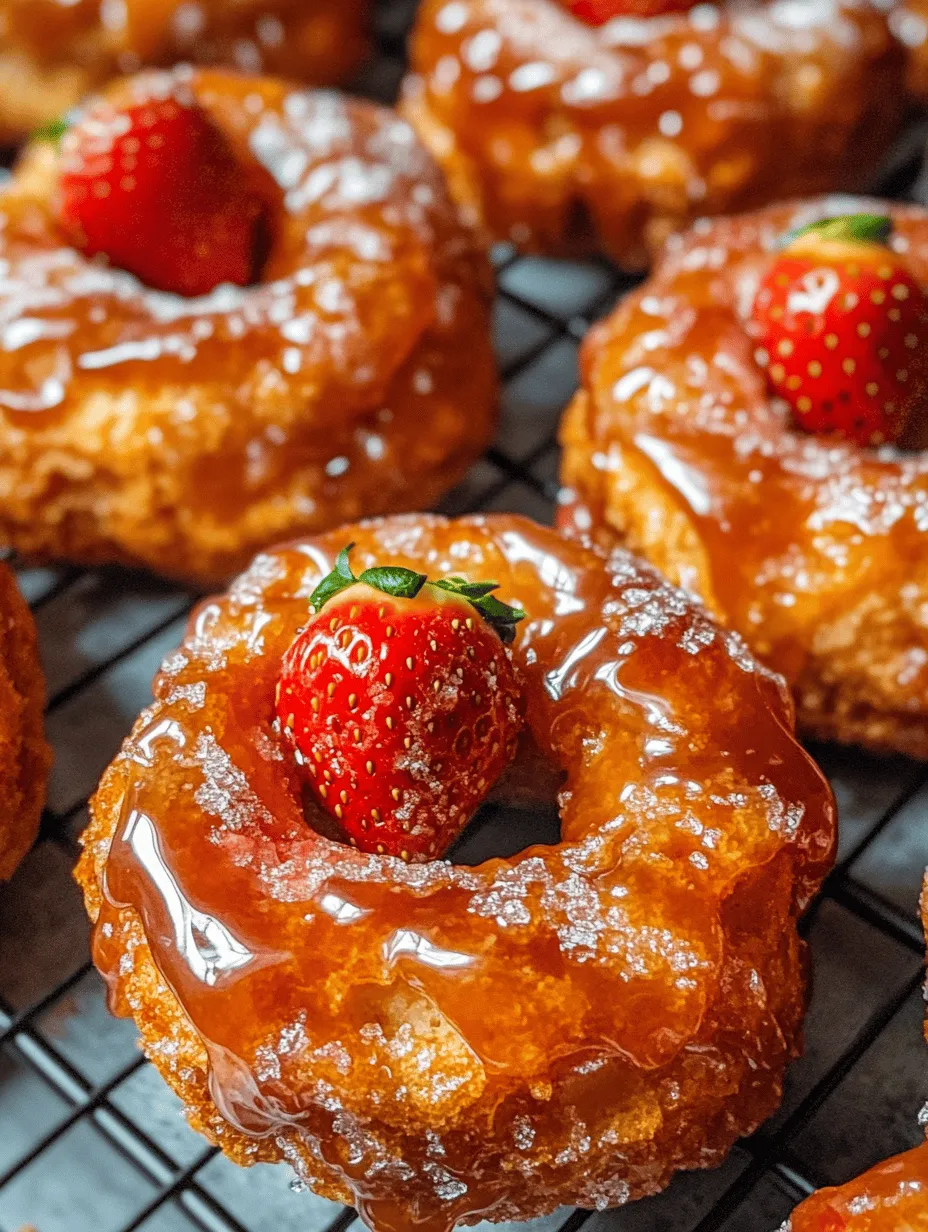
(892, 1197)
(908, 20)
(433, 1042)
(24, 755)
(298, 335)
(566, 132)
(775, 465)
(53, 54)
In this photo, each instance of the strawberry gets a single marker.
(155, 186)
(842, 330)
(598, 12)
(401, 702)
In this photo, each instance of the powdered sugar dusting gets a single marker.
(400, 1005)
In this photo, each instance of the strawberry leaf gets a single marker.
(848, 229)
(339, 579)
(469, 590)
(501, 616)
(394, 580)
(402, 583)
(53, 131)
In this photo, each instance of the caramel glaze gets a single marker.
(908, 21)
(24, 755)
(356, 378)
(892, 1197)
(814, 549)
(567, 137)
(52, 53)
(439, 1043)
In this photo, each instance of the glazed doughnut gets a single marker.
(355, 377)
(815, 549)
(908, 21)
(24, 755)
(439, 1043)
(892, 1197)
(569, 138)
(52, 54)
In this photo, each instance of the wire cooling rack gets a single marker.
(91, 1140)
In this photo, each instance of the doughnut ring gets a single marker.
(815, 550)
(52, 55)
(891, 1196)
(357, 377)
(438, 1043)
(24, 755)
(568, 138)
(908, 21)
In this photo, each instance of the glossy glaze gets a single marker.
(356, 378)
(892, 1197)
(562, 136)
(908, 21)
(815, 549)
(52, 52)
(24, 755)
(440, 1043)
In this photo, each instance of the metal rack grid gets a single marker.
(91, 1138)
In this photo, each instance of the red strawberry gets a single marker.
(842, 328)
(402, 704)
(598, 12)
(156, 187)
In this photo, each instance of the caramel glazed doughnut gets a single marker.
(892, 1197)
(24, 755)
(52, 54)
(566, 138)
(814, 549)
(908, 22)
(441, 1043)
(357, 376)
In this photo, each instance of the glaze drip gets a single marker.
(438, 1043)
(810, 547)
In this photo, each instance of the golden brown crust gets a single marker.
(569, 138)
(572, 1024)
(358, 378)
(816, 552)
(24, 755)
(52, 55)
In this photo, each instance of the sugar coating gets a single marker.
(812, 548)
(141, 426)
(444, 1043)
(562, 136)
(891, 1196)
(54, 55)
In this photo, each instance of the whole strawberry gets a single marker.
(401, 701)
(154, 185)
(598, 12)
(842, 328)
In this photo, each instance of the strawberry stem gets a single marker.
(402, 583)
(340, 578)
(847, 228)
